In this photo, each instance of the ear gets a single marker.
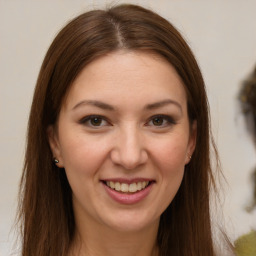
(54, 145)
(192, 141)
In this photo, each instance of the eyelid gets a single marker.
(170, 120)
(87, 118)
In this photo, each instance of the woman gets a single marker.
(120, 106)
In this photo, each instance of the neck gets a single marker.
(98, 241)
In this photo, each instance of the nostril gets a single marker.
(129, 158)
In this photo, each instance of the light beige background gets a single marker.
(222, 34)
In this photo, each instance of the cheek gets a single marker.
(169, 159)
(82, 159)
(171, 154)
(83, 155)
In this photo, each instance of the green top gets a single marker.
(246, 245)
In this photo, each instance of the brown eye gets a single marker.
(158, 121)
(96, 121)
(161, 121)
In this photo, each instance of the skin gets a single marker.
(143, 132)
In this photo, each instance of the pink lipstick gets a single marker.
(128, 192)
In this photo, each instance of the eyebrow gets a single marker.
(162, 103)
(95, 103)
(106, 106)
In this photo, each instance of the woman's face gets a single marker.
(123, 137)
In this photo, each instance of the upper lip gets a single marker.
(127, 181)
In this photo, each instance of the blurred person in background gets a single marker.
(246, 244)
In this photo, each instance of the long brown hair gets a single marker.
(46, 212)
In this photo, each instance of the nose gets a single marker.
(129, 149)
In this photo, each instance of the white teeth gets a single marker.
(117, 186)
(139, 186)
(124, 187)
(112, 184)
(133, 187)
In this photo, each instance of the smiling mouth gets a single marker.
(127, 188)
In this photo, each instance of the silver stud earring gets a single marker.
(56, 161)
(189, 156)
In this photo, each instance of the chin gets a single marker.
(129, 223)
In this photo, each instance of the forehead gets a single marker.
(124, 76)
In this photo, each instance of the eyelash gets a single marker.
(87, 119)
(168, 121)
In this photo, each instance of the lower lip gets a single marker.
(128, 198)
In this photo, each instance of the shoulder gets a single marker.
(246, 244)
